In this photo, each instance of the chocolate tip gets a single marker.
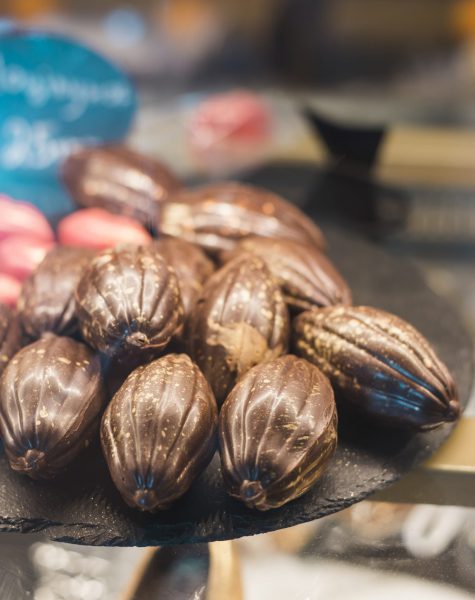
(31, 461)
(252, 493)
(138, 339)
(145, 499)
(454, 410)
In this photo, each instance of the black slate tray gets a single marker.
(83, 507)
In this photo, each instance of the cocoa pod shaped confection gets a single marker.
(51, 396)
(217, 216)
(10, 335)
(277, 432)
(159, 432)
(119, 180)
(46, 300)
(192, 268)
(128, 302)
(240, 320)
(379, 364)
(307, 277)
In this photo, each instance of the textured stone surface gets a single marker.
(83, 506)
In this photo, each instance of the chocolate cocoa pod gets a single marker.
(159, 432)
(239, 321)
(192, 267)
(128, 302)
(51, 396)
(379, 364)
(10, 335)
(277, 432)
(307, 277)
(118, 179)
(217, 216)
(46, 300)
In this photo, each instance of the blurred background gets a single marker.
(294, 74)
(422, 47)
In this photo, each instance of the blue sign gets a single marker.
(55, 95)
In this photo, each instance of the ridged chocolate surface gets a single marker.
(240, 320)
(191, 265)
(128, 302)
(118, 179)
(159, 432)
(380, 364)
(47, 299)
(277, 432)
(51, 396)
(217, 216)
(307, 277)
(10, 335)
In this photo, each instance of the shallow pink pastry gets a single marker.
(9, 289)
(22, 218)
(100, 229)
(21, 254)
(230, 130)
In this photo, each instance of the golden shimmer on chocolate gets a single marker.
(191, 265)
(10, 335)
(240, 320)
(307, 277)
(128, 302)
(219, 215)
(51, 396)
(47, 301)
(277, 432)
(118, 179)
(379, 364)
(159, 432)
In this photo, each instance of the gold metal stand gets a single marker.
(447, 478)
(223, 578)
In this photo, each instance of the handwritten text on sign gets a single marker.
(54, 95)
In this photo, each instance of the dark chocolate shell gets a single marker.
(191, 265)
(277, 432)
(217, 216)
(47, 301)
(10, 335)
(240, 320)
(306, 275)
(119, 180)
(51, 396)
(379, 364)
(159, 432)
(128, 302)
